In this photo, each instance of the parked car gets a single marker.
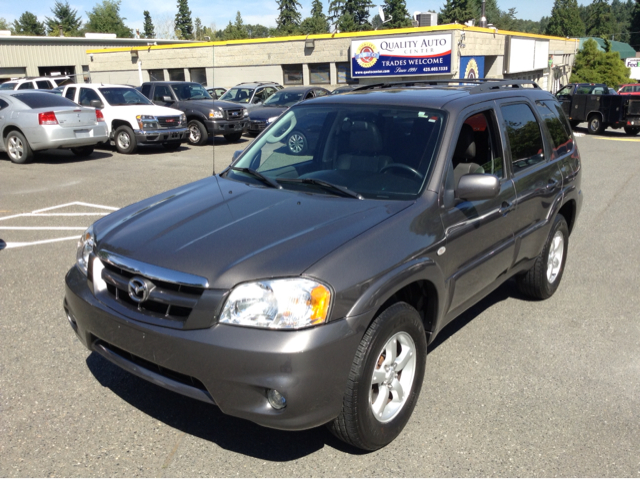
(251, 94)
(206, 117)
(301, 290)
(344, 89)
(35, 120)
(132, 119)
(216, 92)
(629, 89)
(265, 114)
(34, 83)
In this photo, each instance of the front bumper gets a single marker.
(230, 366)
(226, 127)
(162, 136)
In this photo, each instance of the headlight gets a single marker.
(216, 114)
(272, 119)
(86, 243)
(147, 122)
(278, 304)
(245, 112)
(183, 119)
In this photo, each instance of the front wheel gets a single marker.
(542, 280)
(631, 130)
(197, 133)
(18, 148)
(233, 137)
(82, 151)
(125, 140)
(595, 125)
(385, 380)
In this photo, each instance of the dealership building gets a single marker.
(418, 53)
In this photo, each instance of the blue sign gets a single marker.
(471, 67)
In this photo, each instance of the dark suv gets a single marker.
(301, 289)
(205, 116)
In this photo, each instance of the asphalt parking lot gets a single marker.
(512, 387)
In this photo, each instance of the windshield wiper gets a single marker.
(325, 184)
(260, 176)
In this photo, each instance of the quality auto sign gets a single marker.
(404, 56)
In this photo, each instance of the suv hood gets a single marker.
(209, 104)
(153, 110)
(230, 232)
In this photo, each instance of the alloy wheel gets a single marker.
(554, 260)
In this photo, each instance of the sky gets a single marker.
(218, 13)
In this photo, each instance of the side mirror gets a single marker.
(477, 187)
(167, 98)
(97, 104)
(236, 154)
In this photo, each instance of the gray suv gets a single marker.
(251, 94)
(302, 289)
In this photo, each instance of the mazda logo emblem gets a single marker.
(140, 289)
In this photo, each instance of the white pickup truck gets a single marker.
(132, 119)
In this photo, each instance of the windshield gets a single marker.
(374, 151)
(124, 96)
(8, 86)
(190, 91)
(284, 98)
(239, 95)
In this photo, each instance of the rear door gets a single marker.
(3, 116)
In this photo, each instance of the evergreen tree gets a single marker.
(317, 22)
(358, 11)
(594, 66)
(257, 31)
(459, 11)
(396, 10)
(198, 32)
(65, 16)
(184, 24)
(599, 22)
(288, 21)
(235, 31)
(491, 12)
(4, 25)
(346, 23)
(149, 29)
(622, 13)
(28, 24)
(565, 20)
(634, 28)
(105, 18)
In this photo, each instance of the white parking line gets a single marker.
(43, 228)
(20, 245)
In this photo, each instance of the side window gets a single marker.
(28, 85)
(3, 104)
(598, 91)
(259, 96)
(86, 96)
(146, 89)
(525, 138)
(565, 91)
(160, 92)
(43, 85)
(321, 92)
(71, 93)
(269, 91)
(478, 149)
(558, 127)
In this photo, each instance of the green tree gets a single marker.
(599, 22)
(565, 20)
(622, 13)
(396, 10)
(149, 29)
(634, 28)
(288, 22)
(4, 25)
(105, 18)
(491, 12)
(198, 31)
(595, 66)
(63, 15)
(184, 24)
(459, 11)
(28, 24)
(235, 31)
(317, 22)
(357, 11)
(257, 31)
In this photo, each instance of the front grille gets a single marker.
(167, 300)
(234, 114)
(169, 121)
(156, 368)
(258, 125)
(634, 107)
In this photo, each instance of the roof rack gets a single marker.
(479, 85)
(259, 82)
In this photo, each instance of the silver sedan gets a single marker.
(33, 120)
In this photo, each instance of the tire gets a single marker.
(171, 145)
(125, 140)
(297, 143)
(233, 137)
(18, 148)
(82, 151)
(542, 280)
(357, 423)
(631, 130)
(595, 125)
(198, 134)
(574, 123)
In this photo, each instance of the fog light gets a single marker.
(276, 399)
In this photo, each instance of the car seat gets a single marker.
(465, 154)
(364, 146)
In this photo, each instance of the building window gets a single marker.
(198, 75)
(343, 72)
(156, 75)
(86, 76)
(292, 74)
(319, 74)
(176, 74)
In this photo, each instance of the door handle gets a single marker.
(552, 184)
(505, 207)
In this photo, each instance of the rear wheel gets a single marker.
(82, 150)
(595, 125)
(125, 140)
(297, 143)
(233, 137)
(385, 380)
(18, 148)
(631, 130)
(197, 133)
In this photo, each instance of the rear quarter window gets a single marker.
(558, 127)
(525, 138)
(43, 100)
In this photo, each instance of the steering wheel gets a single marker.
(402, 166)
